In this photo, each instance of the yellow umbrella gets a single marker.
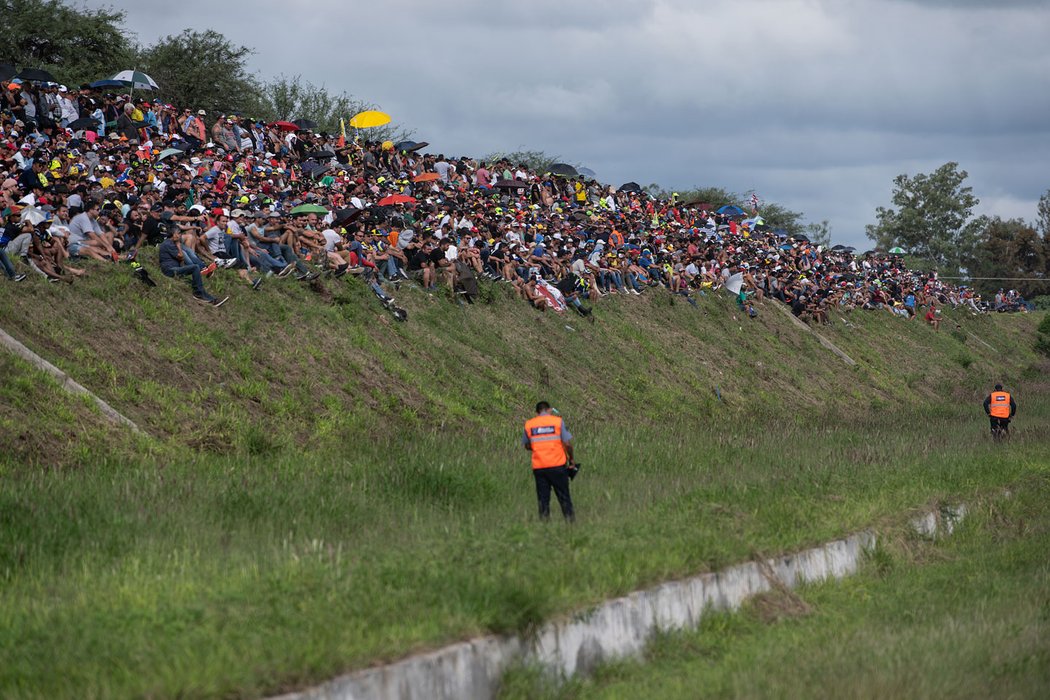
(365, 120)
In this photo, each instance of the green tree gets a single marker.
(819, 234)
(933, 219)
(715, 196)
(76, 45)
(1012, 250)
(778, 216)
(204, 70)
(536, 161)
(290, 98)
(1042, 220)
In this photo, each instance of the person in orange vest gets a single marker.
(550, 443)
(1000, 408)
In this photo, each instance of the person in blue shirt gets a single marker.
(174, 264)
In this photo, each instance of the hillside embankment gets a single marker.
(323, 488)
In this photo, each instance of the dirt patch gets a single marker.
(780, 603)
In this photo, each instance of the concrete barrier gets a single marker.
(615, 629)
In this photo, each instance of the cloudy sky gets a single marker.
(815, 104)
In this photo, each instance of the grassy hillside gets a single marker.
(327, 488)
(292, 366)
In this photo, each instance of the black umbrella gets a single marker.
(345, 216)
(562, 169)
(800, 237)
(419, 145)
(320, 170)
(86, 123)
(98, 84)
(838, 247)
(305, 123)
(7, 71)
(37, 74)
(319, 155)
(509, 184)
(404, 145)
(630, 187)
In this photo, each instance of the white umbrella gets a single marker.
(734, 283)
(136, 80)
(33, 215)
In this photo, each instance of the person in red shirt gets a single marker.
(933, 317)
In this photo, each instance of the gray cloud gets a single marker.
(814, 104)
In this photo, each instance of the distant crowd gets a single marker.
(92, 176)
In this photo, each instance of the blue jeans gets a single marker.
(9, 269)
(193, 271)
(191, 258)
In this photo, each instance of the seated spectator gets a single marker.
(933, 317)
(173, 264)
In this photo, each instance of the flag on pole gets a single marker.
(342, 133)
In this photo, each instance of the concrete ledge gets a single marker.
(615, 629)
(65, 381)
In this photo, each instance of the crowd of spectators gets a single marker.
(91, 176)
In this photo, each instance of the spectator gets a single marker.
(173, 264)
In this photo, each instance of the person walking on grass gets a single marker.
(550, 443)
(1000, 408)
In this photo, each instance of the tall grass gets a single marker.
(247, 575)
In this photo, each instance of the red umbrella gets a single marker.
(285, 126)
(396, 199)
(426, 177)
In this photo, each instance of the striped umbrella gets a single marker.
(136, 80)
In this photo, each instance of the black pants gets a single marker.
(558, 479)
(999, 425)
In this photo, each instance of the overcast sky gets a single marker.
(815, 104)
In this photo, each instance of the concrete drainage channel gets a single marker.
(615, 629)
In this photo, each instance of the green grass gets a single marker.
(327, 488)
(963, 617)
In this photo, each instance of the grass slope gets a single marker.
(328, 488)
(963, 617)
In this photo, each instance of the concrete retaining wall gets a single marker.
(615, 629)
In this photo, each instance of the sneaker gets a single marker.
(287, 270)
(207, 272)
(203, 300)
(311, 276)
(403, 274)
(219, 302)
(53, 280)
(18, 278)
(257, 282)
(636, 292)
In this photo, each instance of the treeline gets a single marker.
(199, 69)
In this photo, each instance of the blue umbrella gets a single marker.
(730, 210)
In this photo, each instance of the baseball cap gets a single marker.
(237, 212)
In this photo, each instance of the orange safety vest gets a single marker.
(544, 433)
(1000, 405)
(615, 239)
